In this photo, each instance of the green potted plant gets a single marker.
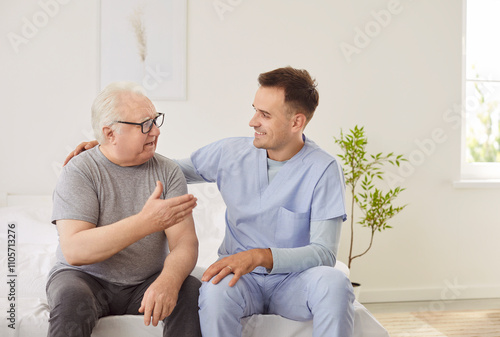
(376, 206)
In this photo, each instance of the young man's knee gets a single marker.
(328, 280)
(212, 294)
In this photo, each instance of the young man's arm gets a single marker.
(189, 171)
(79, 149)
(322, 251)
(325, 237)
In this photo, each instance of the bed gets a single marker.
(28, 241)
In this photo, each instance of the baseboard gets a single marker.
(449, 291)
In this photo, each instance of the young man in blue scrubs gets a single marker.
(285, 208)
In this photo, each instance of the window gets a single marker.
(481, 127)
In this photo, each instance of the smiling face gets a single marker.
(276, 130)
(129, 146)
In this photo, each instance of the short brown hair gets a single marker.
(301, 95)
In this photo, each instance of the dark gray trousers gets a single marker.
(77, 300)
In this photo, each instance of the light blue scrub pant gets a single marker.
(323, 294)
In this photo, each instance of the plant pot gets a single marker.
(356, 289)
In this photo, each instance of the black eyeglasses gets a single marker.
(146, 126)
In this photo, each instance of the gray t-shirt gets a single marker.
(93, 189)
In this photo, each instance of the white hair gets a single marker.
(107, 106)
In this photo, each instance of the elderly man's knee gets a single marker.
(188, 294)
(73, 312)
(72, 297)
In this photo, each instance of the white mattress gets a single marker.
(32, 321)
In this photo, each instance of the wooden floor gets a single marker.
(459, 318)
(393, 307)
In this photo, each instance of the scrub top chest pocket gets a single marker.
(292, 229)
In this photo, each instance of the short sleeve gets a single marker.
(329, 195)
(189, 171)
(206, 160)
(176, 185)
(75, 197)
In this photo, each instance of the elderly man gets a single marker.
(127, 242)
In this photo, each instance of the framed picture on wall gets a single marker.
(144, 41)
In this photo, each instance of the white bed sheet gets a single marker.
(32, 321)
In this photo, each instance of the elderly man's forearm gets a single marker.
(100, 243)
(179, 263)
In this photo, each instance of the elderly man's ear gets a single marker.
(109, 134)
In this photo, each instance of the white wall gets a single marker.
(400, 85)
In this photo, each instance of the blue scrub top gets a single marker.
(309, 187)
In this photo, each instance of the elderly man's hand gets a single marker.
(158, 302)
(163, 214)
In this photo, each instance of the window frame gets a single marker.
(478, 174)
